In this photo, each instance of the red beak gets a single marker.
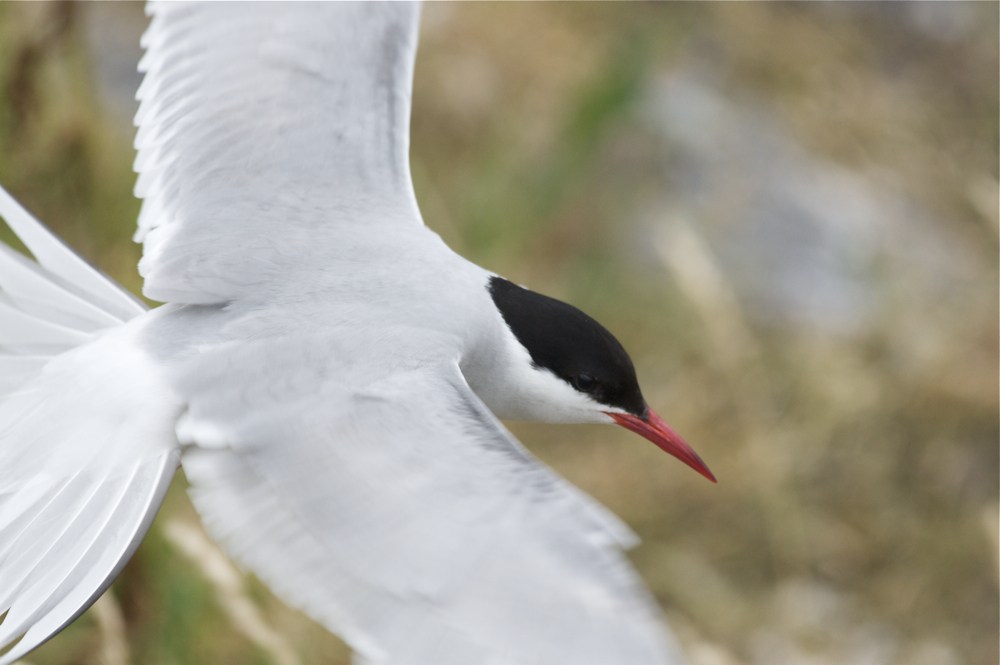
(653, 428)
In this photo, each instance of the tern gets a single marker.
(327, 371)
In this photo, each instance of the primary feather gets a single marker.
(255, 123)
(313, 363)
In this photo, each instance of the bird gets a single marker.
(328, 373)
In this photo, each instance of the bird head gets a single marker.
(578, 371)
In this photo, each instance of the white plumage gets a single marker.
(312, 369)
(267, 119)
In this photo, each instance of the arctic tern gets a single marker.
(327, 371)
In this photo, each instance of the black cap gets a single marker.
(565, 341)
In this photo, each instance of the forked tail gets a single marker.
(77, 490)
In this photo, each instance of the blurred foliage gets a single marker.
(856, 516)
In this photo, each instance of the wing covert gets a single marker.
(403, 516)
(259, 122)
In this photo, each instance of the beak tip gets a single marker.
(653, 428)
(696, 463)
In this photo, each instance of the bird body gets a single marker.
(327, 371)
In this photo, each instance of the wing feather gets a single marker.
(263, 118)
(403, 516)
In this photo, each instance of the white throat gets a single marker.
(500, 371)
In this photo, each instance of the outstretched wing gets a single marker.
(261, 122)
(398, 512)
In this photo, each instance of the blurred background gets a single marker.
(787, 212)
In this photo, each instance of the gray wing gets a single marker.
(402, 515)
(260, 123)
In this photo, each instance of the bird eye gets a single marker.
(584, 383)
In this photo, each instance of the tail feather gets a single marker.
(35, 548)
(82, 549)
(19, 330)
(86, 435)
(70, 271)
(36, 291)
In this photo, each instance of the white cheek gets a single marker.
(546, 398)
(539, 395)
(505, 379)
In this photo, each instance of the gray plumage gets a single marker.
(326, 369)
